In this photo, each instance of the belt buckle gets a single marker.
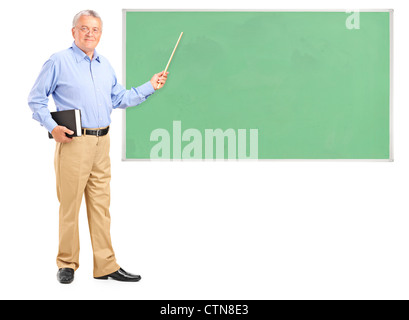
(98, 134)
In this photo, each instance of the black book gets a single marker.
(70, 119)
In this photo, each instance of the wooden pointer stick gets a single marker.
(167, 66)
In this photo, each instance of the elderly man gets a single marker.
(80, 78)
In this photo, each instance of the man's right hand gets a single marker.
(59, 134)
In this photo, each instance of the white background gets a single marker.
(200, 230)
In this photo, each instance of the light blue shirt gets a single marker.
(76, 82)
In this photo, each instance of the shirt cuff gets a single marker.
(50, 124)
(146, 89)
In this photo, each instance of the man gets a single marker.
(80, 78)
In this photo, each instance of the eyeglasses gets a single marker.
(86, 30)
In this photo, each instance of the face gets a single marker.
(87, 33)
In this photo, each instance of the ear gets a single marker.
(73, 32)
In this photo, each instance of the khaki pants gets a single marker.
(83, 166)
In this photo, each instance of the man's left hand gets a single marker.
(157, 78)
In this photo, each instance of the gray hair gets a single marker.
(91, 13)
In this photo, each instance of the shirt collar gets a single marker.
(81, 55)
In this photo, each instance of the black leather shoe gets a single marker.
(65, 275)
(121, 275)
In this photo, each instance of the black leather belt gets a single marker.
(98, 133)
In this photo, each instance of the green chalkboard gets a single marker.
(260, 85)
